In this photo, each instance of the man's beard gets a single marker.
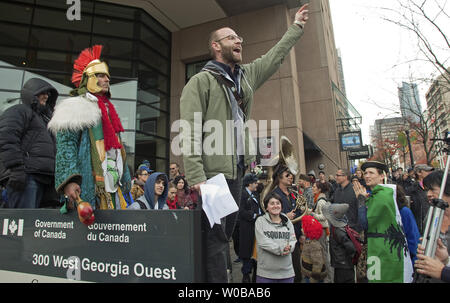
(228, 55)
(286, 183)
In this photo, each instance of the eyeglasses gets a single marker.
(232, 38)
(146, 174)
(338, 175)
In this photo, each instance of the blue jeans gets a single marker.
(30, 197)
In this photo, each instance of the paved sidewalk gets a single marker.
(236, 274)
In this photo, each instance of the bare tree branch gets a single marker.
(442, 7)
(409, 19)
(425, 15)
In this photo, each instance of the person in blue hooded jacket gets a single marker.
(155, 193)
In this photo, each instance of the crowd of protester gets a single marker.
(346, 214)
(325, 251)
(348, 219)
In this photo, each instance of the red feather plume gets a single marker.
(86, 56)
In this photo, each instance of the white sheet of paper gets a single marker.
(217, 199)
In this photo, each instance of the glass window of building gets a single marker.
(38, 40)
(194, 68)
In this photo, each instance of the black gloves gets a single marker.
(17, 179)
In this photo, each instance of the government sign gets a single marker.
(121, 246)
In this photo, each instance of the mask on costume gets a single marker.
(88, 65)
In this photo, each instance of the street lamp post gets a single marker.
(410, 149)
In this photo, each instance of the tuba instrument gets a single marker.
(285, 158)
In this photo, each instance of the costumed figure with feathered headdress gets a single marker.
(90, 159)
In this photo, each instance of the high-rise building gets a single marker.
(410, 107)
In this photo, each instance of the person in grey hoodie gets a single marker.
(155, 193)
(275, 238)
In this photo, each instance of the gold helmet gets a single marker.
(89, 65)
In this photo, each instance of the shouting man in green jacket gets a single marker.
(221, 97)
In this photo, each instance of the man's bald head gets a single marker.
(225, 40)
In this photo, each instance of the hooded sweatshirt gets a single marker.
(271, 239)
(148, 199)
(25, 142)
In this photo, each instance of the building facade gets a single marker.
(438, 107)
(341, 72)
(153, 47)
(385, 136)
(38, 40)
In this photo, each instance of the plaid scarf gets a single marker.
(111, 124)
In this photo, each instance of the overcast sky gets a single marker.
(376, 55)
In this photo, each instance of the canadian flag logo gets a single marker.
(13, 227)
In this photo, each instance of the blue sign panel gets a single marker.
(350, 140)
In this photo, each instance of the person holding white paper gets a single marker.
(222, 93)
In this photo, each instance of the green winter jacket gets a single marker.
(206, 102)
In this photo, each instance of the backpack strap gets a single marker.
(141, 204)
(317, 202)
(222, 80)
(333, 230)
